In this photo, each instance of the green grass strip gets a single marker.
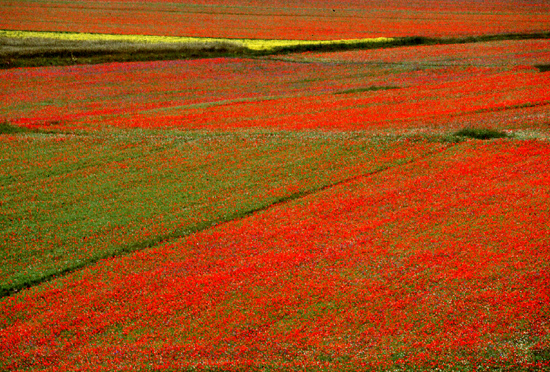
(366, 89)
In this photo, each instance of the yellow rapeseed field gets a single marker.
(254, 44)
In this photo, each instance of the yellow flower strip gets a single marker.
(254, 44)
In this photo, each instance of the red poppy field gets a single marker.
(438, 264)
(348, 210)
(438, 87)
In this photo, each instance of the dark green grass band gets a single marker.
(481, 133)
(373, 88)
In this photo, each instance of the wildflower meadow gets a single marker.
(296, 185)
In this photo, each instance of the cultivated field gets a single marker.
(342, 206)
(279, 19)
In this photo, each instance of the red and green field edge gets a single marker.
(109, 197)
(437, 264)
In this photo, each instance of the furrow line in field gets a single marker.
(7, 290)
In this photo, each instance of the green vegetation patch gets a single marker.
(543, 68)
(481, 133)
(7, 128)
(367, 89)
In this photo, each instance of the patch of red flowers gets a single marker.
(425, 103)
(487, 54)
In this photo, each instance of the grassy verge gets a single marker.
(481, 133)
